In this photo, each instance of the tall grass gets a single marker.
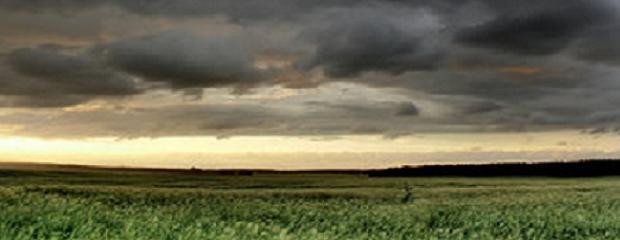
(293, 207)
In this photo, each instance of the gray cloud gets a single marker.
(407, 109)
(538, 28)
(355, 41)
(41, 101)
(70, 74)
(599, 46)
(237, 10)
(45, 77)
(487, 65)
(477, 107)
(320, 118)
(183, 59)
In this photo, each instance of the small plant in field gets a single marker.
(408, 197)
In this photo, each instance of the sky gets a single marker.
(296, 84)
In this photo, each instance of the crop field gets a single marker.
(102, 204)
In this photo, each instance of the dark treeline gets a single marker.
(582, 168)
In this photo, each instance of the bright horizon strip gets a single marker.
(304, 152)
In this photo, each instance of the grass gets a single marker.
(168, 205)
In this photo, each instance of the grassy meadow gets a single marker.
(100, 204)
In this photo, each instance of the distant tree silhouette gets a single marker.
(582, 168)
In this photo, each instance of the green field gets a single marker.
(168, 205)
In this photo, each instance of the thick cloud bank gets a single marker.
(434, 66)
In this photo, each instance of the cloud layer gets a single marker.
(433, 66)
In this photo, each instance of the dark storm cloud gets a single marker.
(497, 65)
(600, 45)
(537, 28)
(491, 82)
(184, 60)
(354, 42)
(182, 8)
(70, 74)
(181, 59)
(237, 10)
(46, 77)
